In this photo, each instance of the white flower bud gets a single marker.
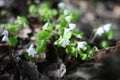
(19, 22)
(31, 51)
(5, 38)
(81, 45)
(103, 28)
(5, 32)
(66, 12)
(107, 27)
(66, 30)
(100, 31)
(64, 42)
(72, 26)
(61, 5)
(68, 18)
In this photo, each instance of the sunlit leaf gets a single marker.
(42, 35)
(47, 26)
(104, 44)
(12, 41)
(32, 9)
(41, 46)
(67, 35)
(77, 34)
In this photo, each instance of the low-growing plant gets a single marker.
(10, 30)
(105, 31)
(62, 30)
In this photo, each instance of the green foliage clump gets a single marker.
(12, 28)
(60, 28)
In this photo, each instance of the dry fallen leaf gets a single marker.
(23, 33)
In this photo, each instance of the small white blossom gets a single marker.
(31, 51)
(5, 32)
(72, 26)
(81, 45)
(66, 30)
(68, 18)
(5, 38)
(100, 31)
(66, 12)
(20, 22)
(64, 42)
(103, 28)
(61, 5)
(107, 27)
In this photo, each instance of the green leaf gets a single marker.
(47, 26)
(57, 41)
(77, 34)
(27, 56)
(43, 35)
(10, 27)
(54, 12)
(110, 34)
(45, 5)
(21, 20)
(90, 53)
(74, 16)
(41, 46)
(32, 9)
(67, 35)
(83, 56)
(19, 23)
(68, 49)
(104, 44)
(12, 41)
(46, 13)
(61, 31)
(72, 50)
(61, 20)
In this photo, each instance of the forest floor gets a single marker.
(104, 65)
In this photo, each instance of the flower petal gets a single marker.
(5, 38)
(5, 32)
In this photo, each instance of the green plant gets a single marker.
(12, 28)
(105, 31)
(60, 31)
(44, 11)
(64, 32)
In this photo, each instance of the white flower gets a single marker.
(66, 12)
(81, 45)
(31, 51)
(72, 26)
(107, 27)
(5, 32)
(68, 18)
(66, 30)
(61, 5)
(100, 31)
(20, 22)
(64, 42)
(5, 38)
(103, 28)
